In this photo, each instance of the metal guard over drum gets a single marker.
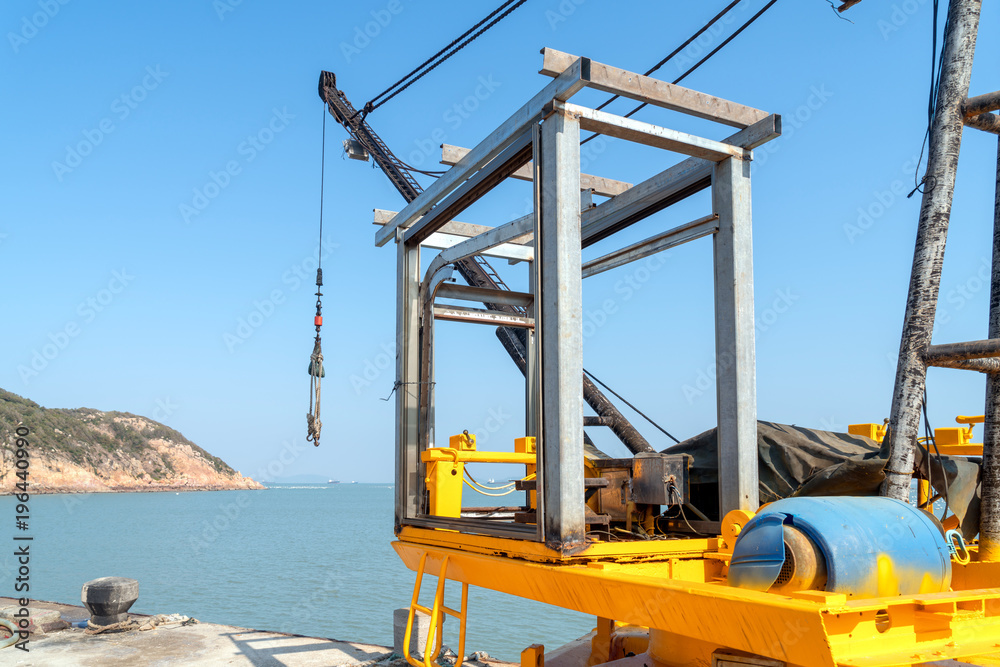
(873, 546)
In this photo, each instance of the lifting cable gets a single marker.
(622, 399)
(700, 62)
(316, 370)
(428, 65)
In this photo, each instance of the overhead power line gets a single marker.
(700, 62)
(681, 47)
(451, 49)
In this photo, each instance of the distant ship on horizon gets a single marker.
(334, 481)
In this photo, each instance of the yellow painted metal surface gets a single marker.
(465, 442)
(449, 454)
(802, 629)
(952, 435)
(923, 492)
(445, 468)
(677, 588)
(533, 656)
(978, 419)
(435, 630)
(732, 526)
(957, 440)
(444, 483)
(874, 431)
(525, 445)
(638, 551)
(970, 449)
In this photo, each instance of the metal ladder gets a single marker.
(436, 613)
(954, 111)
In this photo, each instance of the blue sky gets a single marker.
(160, 195)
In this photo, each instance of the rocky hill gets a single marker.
(84, 450)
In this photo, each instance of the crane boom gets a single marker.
(475, 270)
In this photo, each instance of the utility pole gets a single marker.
(932, 233)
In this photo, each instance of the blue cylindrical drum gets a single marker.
(870, 546)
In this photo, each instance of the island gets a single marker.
(88, 451)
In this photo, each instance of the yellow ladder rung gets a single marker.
(436, 614)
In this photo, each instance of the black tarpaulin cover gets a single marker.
(797, 461)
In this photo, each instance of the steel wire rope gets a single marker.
(700, 62)
(506, 8)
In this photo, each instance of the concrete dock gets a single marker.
(196, 644)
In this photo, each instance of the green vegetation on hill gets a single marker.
(78, 433)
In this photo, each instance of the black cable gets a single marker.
(423, 64)
(680, 48)
(724, 42)
(447, 56)
(673, 490)
(435, 174)
(372, 105)
(932, 97)
(703, 60)
(622, 399)
(928, 434)
(937, 62)
(322, 182)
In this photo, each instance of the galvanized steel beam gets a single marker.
(557, 241)
(478, 244)
(409, 480)
(690, 231)
(670, 186)
(653, 91)
(639, 132)
(735, 357)
(606, 187)
(492, 174)
(513, 252)
(481, 316)
(562, 88)
(483, 295)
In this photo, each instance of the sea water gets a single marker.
(311, 559)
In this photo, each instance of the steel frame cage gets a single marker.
(546, 133)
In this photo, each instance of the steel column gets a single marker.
(561, 332)
(409, 488)
(989, 513)
(736, 387)
(928, 256)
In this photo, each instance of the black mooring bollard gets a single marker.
(109, 598)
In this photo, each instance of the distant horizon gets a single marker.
(340, 481)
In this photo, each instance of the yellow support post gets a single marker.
(533, 656)
(444, 484)
(600, 643)
(923, 493)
